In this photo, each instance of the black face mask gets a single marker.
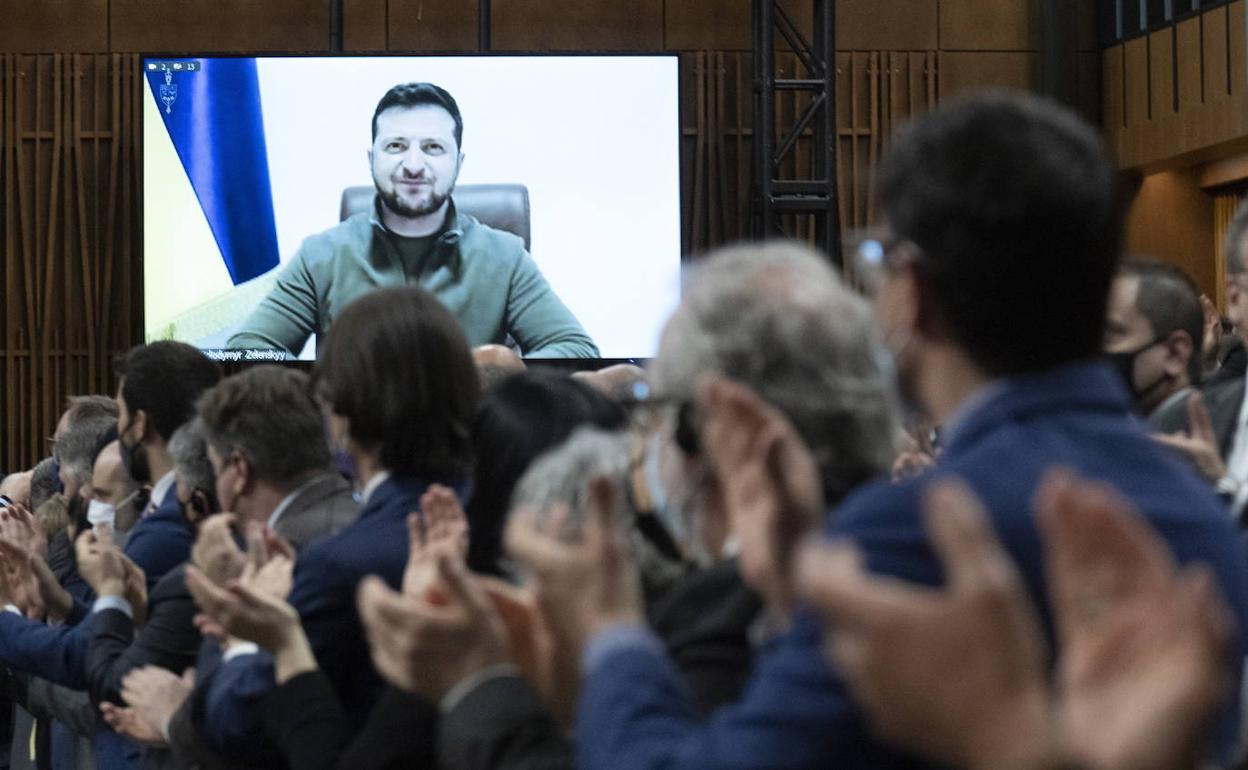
(1124, 364)
(134, 459)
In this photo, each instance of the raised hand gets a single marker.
(215, 551)
(55, 599)
(902, 648)
(127, 722)
(244, 609)
(428, 648)
(1144, 646)
(770, 483)
(1200, 444)
(100, 563)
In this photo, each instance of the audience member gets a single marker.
(1142, 648)
(394, 359)
(76, 451)
(624, 383)
(43, 482)
(991, 303)
(495, 363)
(1153, 333)
(518, 419)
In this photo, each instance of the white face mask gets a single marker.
(101, 514)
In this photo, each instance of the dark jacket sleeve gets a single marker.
(304, 718)
(168, 639)
(502, 725)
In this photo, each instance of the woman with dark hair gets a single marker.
(522, 417)
(399, 389)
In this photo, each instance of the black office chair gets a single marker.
(501, 206)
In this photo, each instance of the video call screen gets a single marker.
(550, 223)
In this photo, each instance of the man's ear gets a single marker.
(370, 157)
(245, 481)
(138, 418)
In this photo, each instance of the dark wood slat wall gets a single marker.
(1156, 115)
(70, 198)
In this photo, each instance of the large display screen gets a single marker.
(537, 196)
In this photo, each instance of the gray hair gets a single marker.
(80, 445)
(42, 482)
(776, 318)
(1236, 241)
(561, 476)
(189, 448)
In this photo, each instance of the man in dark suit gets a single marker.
(398, 385)
(1210, 432)
(990, 298)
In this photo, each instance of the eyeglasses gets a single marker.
(645, 412)
(876, 254)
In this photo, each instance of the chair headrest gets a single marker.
(501, 206)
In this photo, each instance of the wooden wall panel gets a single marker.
(697, 25)
(219, 26)
(1000, 25)
(53, 25)
(1172, 218)
(1161, 93)
(578, 25)
(69, 196)
(364, 25)
(1135, 79)
(434, 25)
(1187, 53)
(1113, 90)
(1214, 50)
(972, 70)
(888, 25)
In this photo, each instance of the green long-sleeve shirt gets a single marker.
(483, 276)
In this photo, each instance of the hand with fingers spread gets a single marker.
(127, 722)
(443, 518)
(19, 587)
(216, 552)
(427, 648)
(1143, 644)
(898, 645)
(153, 695)
(55, 599)
(245, 608)
(770, 483)
(101, 563)
(582, 587)
(18, 524)
(1200, 444)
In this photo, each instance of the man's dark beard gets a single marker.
(391, 201)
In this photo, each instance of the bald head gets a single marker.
(109, 481)
(618, 382)
(16, 487)
(495, 363)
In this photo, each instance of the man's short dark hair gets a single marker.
(82, 443)
(421, 95)
(165, 379)
(396, 365)
(1236, 241)
(1170, 301)
(42, 482)
(267, 414)
(1013, 202)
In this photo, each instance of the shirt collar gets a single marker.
(161, 488)
(449, 236)
(967, 409)
(377, 480)
(290, 498)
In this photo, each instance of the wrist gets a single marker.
(111, 587)
(292, 656)
(1024, 738)
(58, 603)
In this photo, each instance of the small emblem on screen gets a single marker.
(168, 92)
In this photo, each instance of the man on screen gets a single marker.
(415, 235)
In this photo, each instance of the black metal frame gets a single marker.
(775, 196)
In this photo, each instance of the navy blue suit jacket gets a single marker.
(634, 712)
(159, 542)
(325, 582)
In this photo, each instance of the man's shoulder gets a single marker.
(353, 233)
(485, 242)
